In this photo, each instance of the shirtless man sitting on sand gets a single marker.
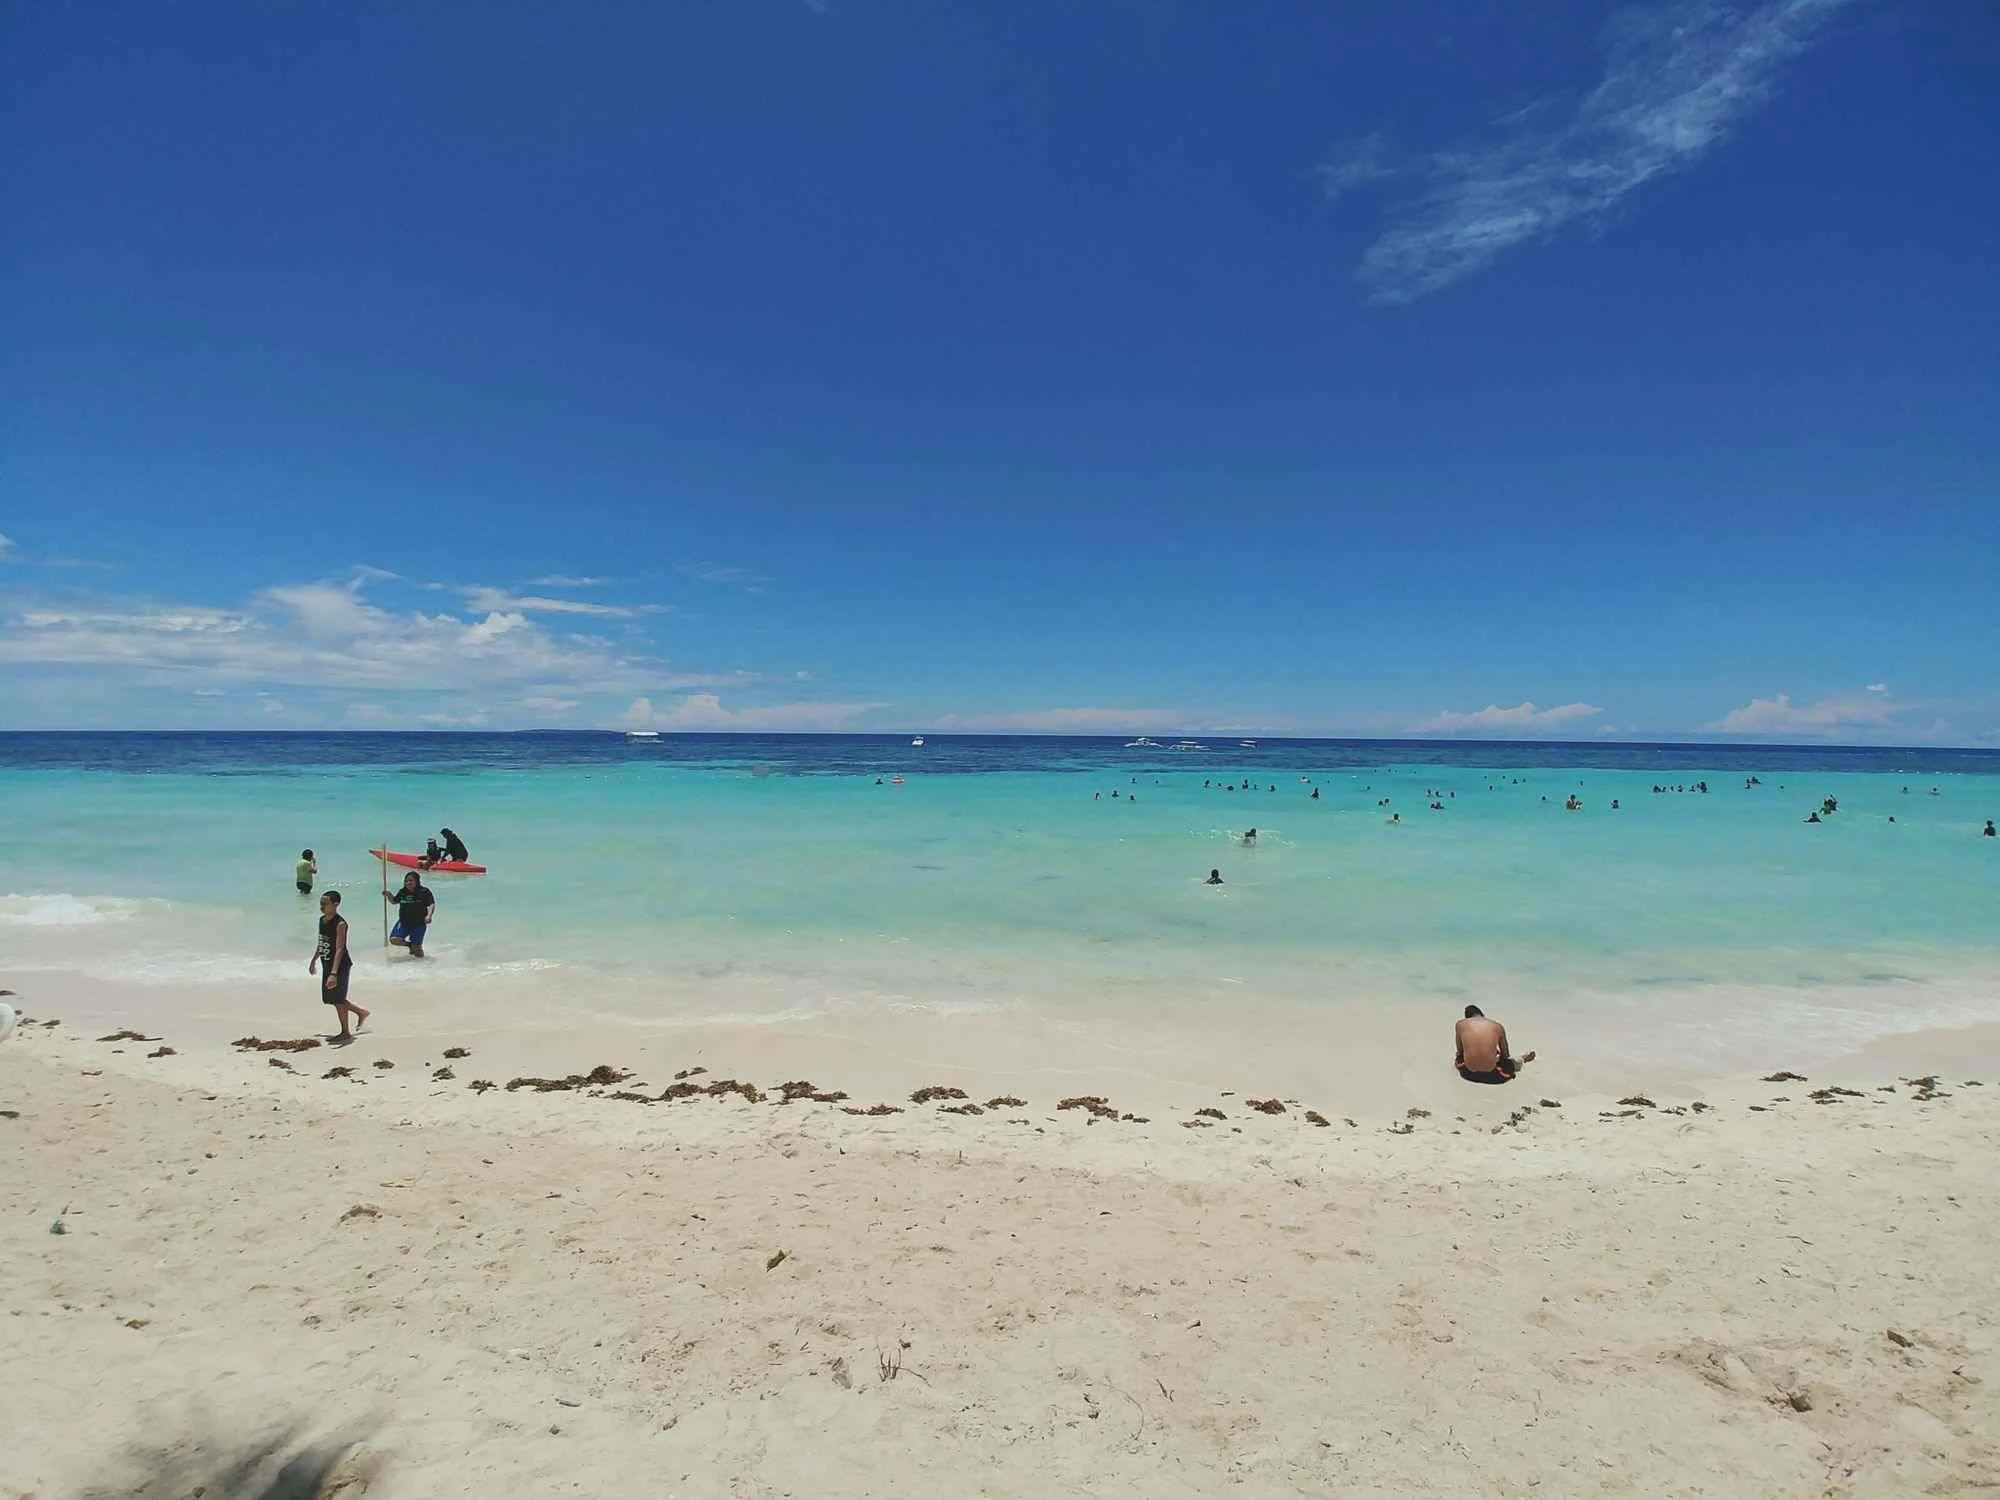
(1482, 1050)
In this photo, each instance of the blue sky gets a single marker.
(1437, 367)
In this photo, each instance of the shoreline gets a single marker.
(504, 1293)
(1341, 1060)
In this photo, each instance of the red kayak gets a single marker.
(416, 862)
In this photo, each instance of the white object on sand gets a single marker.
(9, 1019)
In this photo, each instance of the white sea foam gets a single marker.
(61, 909)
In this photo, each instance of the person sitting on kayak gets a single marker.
(432, 854)
(454, 846)
(414, 908)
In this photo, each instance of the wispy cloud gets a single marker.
(6, 545)
(567, 581)
(1522, 718)
(322, 635)
(489, 600)
(1355, 165)
(1678, 79)
(725, 574)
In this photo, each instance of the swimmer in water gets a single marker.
(1214, 878)
(1814, 818)
(1987, 831)
(1250, 839)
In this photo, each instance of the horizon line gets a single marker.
(866, 734)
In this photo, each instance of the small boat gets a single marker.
(1142, 743)
(1248, 744)
(917, 743)
(416, 862)
(1188, 745)
(642, 736)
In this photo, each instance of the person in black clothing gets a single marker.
(414, 908)
(454, 846)
(432, 854)
(331, 958)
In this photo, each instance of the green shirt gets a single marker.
(305, 872)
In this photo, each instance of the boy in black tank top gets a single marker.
(334, 963)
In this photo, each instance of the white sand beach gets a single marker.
(473, 1292)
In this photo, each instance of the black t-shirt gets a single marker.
(454, 848)
(413, 904)
(329, 930)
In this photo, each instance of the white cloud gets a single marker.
(720, 573)
(324, 635)
(1071, 721)
(1678, 78)
(707, 711)
(491, 600)
(1355, 165)
(1832, 717)
(6, 544)
(1522, 718)
(567, 581)
(1876, 687)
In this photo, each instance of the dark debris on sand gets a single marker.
(443, 1075)
(873, 1109)
(1314, 1117)
(800, 1088)
(1093, 1104)
(936, 1091)
(688, 1073)
(456, 1052)
(338, 1073)
(162, 1052)
(481, 1085)
(601, 1076)
(1638, 1101)
(967, 1108)
(1210, 1112)
(382, 1062)
(258, 1044)
(128, 1036)
(1266, 1106)
(1784, 1076)
(279, 1062)
(1006, 1101)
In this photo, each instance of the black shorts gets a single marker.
(1497, 1075)
(305, 887)
(338, 994)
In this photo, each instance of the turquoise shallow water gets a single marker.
(771, 878)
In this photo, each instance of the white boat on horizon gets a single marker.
(1188, 745)
(1142, 743)
(917, 743)
(1248, 744)
(642, 736)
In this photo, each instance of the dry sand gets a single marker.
(497, 1293)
